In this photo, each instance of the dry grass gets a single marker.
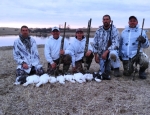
(119, 96)
(148, 34)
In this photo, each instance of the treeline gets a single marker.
(48, 30)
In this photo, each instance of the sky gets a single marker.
(76, 13)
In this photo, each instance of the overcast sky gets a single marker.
(76, 13)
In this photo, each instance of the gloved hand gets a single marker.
(141, 39)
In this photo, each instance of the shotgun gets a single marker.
(86, 46)
(109, 41)
(61, 48)
(135, 58)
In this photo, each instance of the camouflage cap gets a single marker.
(79, 30)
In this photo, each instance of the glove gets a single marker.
(141, 39)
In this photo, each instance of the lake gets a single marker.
(9, 40)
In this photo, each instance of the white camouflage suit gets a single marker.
(129, 46)
(76, 49)
(101, 39)
(21, 54)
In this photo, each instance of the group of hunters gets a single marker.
(109, 48)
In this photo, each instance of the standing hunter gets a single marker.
(130, 37)
(52, 52)
(106, 44)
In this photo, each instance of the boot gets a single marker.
(97, 75)
(40, 71)
(106, 76)
(117, 72)
(142, 73)
(126, 73)
(33, 71)
(22, 79)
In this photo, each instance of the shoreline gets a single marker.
(3, 48)
(4, 31)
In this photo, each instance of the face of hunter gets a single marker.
(106, 22)
(132, 23)
(55, 34)
(79, 35)
(25, 32)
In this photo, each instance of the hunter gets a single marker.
(26, 55)
(130, 37)
(76, 51)
(52, 52)
(106, 44)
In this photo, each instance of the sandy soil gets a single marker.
(118, 96)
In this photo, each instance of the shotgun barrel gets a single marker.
(137, 54)
(86, 45)
(61, 48)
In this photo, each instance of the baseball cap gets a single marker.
(79, 30)
(55, 28)
(132, 17)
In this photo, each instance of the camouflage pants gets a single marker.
(142, 60)
(66, 61)
(20, 72)
(78, 64)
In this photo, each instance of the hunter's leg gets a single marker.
(128, 67)
(104, 69)
(79, 67)
(66, 63)
(115, 62)
(50, 70)
(143, 62)
(89, 60)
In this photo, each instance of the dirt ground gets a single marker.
(118, 96)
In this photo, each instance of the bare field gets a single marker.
(118, 96)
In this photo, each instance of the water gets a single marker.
(9, 40)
